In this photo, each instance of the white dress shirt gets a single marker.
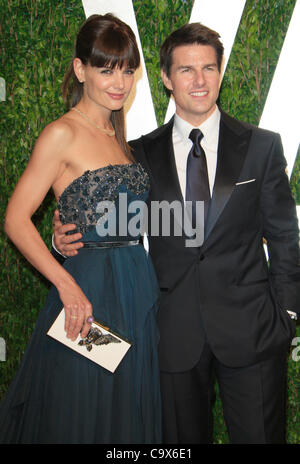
(182, 146)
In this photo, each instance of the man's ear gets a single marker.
(166, 80)
(79, 69)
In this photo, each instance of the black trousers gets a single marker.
(253, 399)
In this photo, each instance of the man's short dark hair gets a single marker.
(189, 34)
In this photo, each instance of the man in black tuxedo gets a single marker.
(224, 310)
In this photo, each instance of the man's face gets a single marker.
(194, 82)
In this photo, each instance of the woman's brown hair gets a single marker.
(103, 41)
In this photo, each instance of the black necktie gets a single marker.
(197, 184)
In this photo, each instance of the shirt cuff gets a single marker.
(292, 315)
(56, 248)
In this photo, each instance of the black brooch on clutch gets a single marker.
(96, 337)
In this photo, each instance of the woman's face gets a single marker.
(106, 87)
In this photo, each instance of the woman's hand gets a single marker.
(77, 310)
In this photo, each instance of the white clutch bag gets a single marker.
(101, 345)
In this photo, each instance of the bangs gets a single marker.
(114, 50)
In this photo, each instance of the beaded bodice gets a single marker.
(79, 202)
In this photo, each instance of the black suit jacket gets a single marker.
(225, 291)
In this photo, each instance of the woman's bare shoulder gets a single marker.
(61, 132)
(55, 141)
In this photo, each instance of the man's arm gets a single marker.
(281, 231)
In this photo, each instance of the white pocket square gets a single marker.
(245, 182)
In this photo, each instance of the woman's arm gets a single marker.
(46, 165)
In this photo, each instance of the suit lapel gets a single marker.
(234, 140)
(164, 177)
(162, 164)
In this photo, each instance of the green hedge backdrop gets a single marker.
(36, 44)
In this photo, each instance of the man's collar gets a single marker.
(209, 127)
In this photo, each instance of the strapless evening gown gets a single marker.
(59, 396)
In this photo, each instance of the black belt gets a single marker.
(110, 244)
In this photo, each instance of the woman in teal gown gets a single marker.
(57, 395)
